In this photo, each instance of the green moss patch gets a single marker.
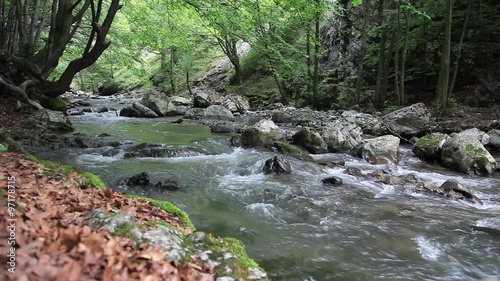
(169, 208)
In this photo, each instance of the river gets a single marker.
(292, 225)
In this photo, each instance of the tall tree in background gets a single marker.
(444, 68)
(35, 35)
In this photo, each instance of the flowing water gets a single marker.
(295, 227)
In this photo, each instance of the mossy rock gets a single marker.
(428, 148)
(56, 104)
(292, 150)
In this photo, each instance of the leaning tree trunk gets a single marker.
(444, 69)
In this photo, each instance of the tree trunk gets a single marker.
(444, 69)
(403, 56)
(396, 55)
(383, 42)
(315, 79)
(361, 63)
(459, 51)
(173, 62)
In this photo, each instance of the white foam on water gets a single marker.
(95, 158)
(493, 223)
(428, 249)
(265, 210)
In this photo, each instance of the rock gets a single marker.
(201, 100)
(178, 121)
(169, 239)
(332, 181)
(262, 133)
(455, 190)
(53, 120)
(467, 154)
(429, 186)
(178, 100)
(428, 148)
(310, 140)
(256, 274)
(342, 135)
(130, 112)
(478, 134)
(277, 165)
(494, 138)
(413, 120)
(224, 127)
(138, 110)
(168, 184)
(332, 163)
(194, 113)
(102, 110)
(218, 112)
(84, 141)
(368, 123)
(235, 103)
(353, 171)
(109, 221)
(292, 150)
(75, 111)
(159, 103)
(281, 117)
(158, 150)
(108, 89)
(377, 175)
(381, 150)
(181, 109)
(141, 179)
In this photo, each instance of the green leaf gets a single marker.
(3, 148)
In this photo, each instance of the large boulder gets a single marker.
(428, 148)
(481, 136)
(277, 165)
(178, 100)
(467, 154)
(342, 135)
(367, 122)
(138, 110)
(413, 120)
(494, 138)
(218, 112)
(310, 140)
(159, 103)
(202, 100)
(235, 103)
(262, 133)
(380, 150)
(53, 120)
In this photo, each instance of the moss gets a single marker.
(292, 150)
(87, 179)
(475, 150)
(57, 104)
(169, 208)
(125, 230)
(220, 246)
(426, 141)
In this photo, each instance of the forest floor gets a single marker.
(47, 221)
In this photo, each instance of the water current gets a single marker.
(292, 225)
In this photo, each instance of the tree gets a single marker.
(444, 68)
(35, 35)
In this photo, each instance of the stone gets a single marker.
(310, 140)
(262, 133)
(494, 138)
(144, 110)
(235, 103)
(169, 239)
(281, 117)
(353, 171)
(194, 113)
(277, 165)
(218, 112)
(256, 274)
(332, 181)
(480, 135)
(168, 184)
(109, 221)
(341, 135)
(292, 150)
(201, 100)
(413, 120)
(178, 100)
(465, 153)
(141, 179)
(158, 150)
(381, 150)
(455, 190)
(102, 109)
(130, 112)
(428, 148)
(159, 103)
(53, 120)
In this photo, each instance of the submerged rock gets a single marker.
(141, 179)
(332, 181)
(292, 150)
(158, 150)
(455, 190)
(277, 165)
(353, 171)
